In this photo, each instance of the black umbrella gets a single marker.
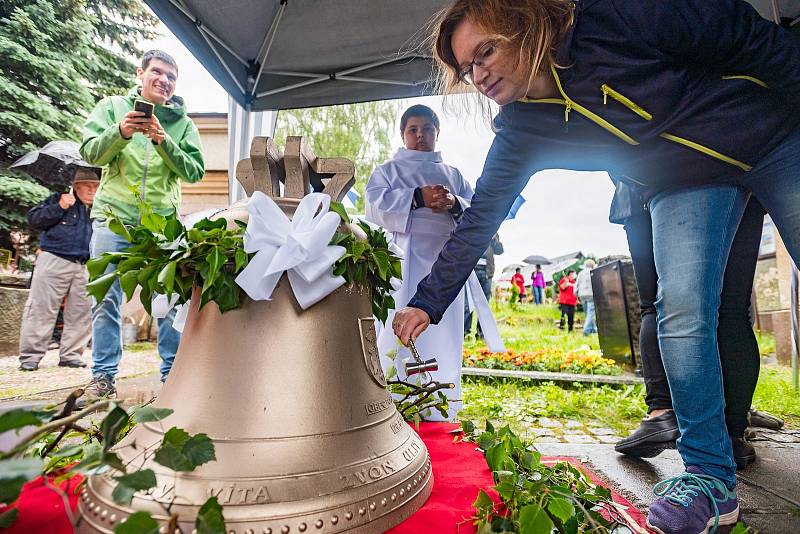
(54, 164)
(537, 260)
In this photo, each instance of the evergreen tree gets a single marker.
(57, 58)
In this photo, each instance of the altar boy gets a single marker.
(419, 199)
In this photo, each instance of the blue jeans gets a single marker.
(107, 319)
(588, 325)
(486, 285)
(538, 294)
(692, 234)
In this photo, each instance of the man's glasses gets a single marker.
(482, 58)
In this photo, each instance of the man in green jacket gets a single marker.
(150, 155)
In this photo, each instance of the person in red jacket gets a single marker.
(567, 299)
(519, 281)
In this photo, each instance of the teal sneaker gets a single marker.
(692, 503)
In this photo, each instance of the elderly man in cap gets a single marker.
(60, 271)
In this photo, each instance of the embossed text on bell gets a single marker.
(306, 435)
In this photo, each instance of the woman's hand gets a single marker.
(409, 323)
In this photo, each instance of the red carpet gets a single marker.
(459, 471)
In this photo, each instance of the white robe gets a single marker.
(421, 234)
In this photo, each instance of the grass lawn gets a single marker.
(529, 328)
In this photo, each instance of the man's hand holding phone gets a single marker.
(142, 119)
(132, 122)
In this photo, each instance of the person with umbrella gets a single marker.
(538, 283)
(60, 271)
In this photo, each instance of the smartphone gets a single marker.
(143, 106)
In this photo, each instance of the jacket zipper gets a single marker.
(571, 104)
(143, 193)
(625, 101)
(708, 151)
(748, 78)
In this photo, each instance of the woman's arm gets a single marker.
(509, 165)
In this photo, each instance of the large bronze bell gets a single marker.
(307, 437)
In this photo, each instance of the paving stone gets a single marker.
(540, 431)
(580, 438)
(574, 431)
(547, 439)
(573, 424)
(602, 431)
(608, 439)
(781, 437)
(547, 422)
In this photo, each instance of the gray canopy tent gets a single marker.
(282, 54)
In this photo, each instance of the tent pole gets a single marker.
(378, 80)
(204, 30)
(224, 64)
(268, 39)
(795, 334)
(776, 12)
(333, 76)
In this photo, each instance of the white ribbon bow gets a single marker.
(298, 246)
(161, 306)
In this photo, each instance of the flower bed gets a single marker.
(584, 360)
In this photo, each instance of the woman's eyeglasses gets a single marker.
(482, 58)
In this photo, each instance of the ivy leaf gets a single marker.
(208, 225)
(357, 249)
(129, 484)
(240, 259)
(167, 276)
(209, 518)
(483, 504)
(561, 508)
(339, 209)
(173, 228)
(169, 453)
(181, 452)
(148, 414)
(468, 427)
(117, 226)
(97, 266)
(199, 449)
(99, 287)
(8, 518)
(130, 263)
(14, 473)
(112, 425)
(496, 456)
(154, 222)
(21, 417)
(382, 261)
(533, 519)
(138, 523)
(214, 261)
(128, 283)
(529, 459)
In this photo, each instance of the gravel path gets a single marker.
(137, 360)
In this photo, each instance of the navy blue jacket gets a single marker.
(663, 93)
(65, 233)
